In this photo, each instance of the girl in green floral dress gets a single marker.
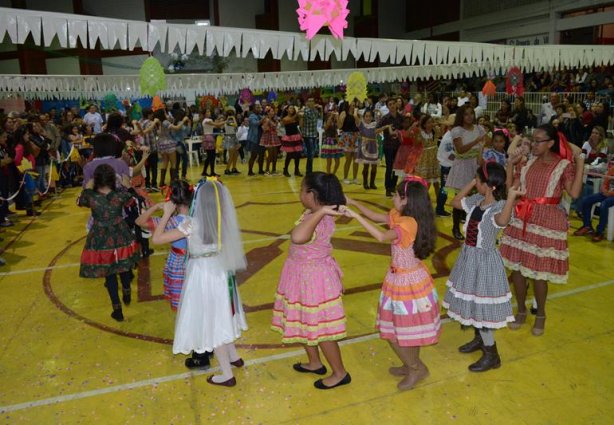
(110, 248)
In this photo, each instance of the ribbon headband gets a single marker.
(410, 179)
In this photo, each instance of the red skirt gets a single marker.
(292, 143)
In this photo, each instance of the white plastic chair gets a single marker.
(193, 155)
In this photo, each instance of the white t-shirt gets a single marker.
(445, 150)
(93, 120)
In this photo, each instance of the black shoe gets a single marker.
(251, 173)
(299, 368)
(235, 171)
(198, 361)
(118, 315)
(458, 235)
(474, 345)
(127, 296)
(443, 214)
(533, 310)
(489, 360)
(38, 203)
(227, 172)
(320, 385)
(389, 194)
(287, 174)
(298, 174)
(33, 213)
(366, 186)
(372, 186)
(261, 173)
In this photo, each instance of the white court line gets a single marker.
(158, 253)
(266, 359)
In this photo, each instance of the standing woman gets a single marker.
(534, 245)
(210, 124)
(269, 140)
(467, 138)
(166, 145)
(368, 150)
(292, 142)
(331, 150)
(428, 166)
(348, 123)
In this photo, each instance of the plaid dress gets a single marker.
(478, 291)
(174, 269)
(538, 248)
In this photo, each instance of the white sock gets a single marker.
(232, 352)
(223, 358)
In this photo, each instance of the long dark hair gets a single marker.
(552, 134)
(104, 176)
(460, 115)
(493, 174)
(325, 187)
(18, 138)
(419, 207)
(181, 194)
(106, 144)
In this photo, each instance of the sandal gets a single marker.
(539, 331)
(519, 320)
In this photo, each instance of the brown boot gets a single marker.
(399, 370)
(417, 373)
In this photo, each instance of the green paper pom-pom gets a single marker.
(152, 77)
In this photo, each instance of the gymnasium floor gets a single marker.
(64, 360)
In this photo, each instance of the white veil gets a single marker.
(215, 226)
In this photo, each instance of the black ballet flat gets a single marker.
(320, 385)
(299, 368)
(238, 363)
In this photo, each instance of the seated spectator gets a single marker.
(606, 198)
(596, 146)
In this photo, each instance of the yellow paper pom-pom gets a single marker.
(356, 87)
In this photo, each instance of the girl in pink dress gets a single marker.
(308, 307)
(408, 313)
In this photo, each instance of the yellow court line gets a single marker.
(266, 359)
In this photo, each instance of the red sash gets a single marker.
(524, 208)
(178, 250)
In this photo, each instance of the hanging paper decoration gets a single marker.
(207, 102)
(246, 96)
(157, 103)
(137, 112)
(489, 88)
(110, 102)
(271, 97)
(514, 82)
(152, 78)
(315, 14)
(356, 87)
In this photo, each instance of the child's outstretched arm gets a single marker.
(503, 218)
(376, 232)
(142, 220)
(370, 214)
(303, 232)
(456, 202)
(160, 236)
